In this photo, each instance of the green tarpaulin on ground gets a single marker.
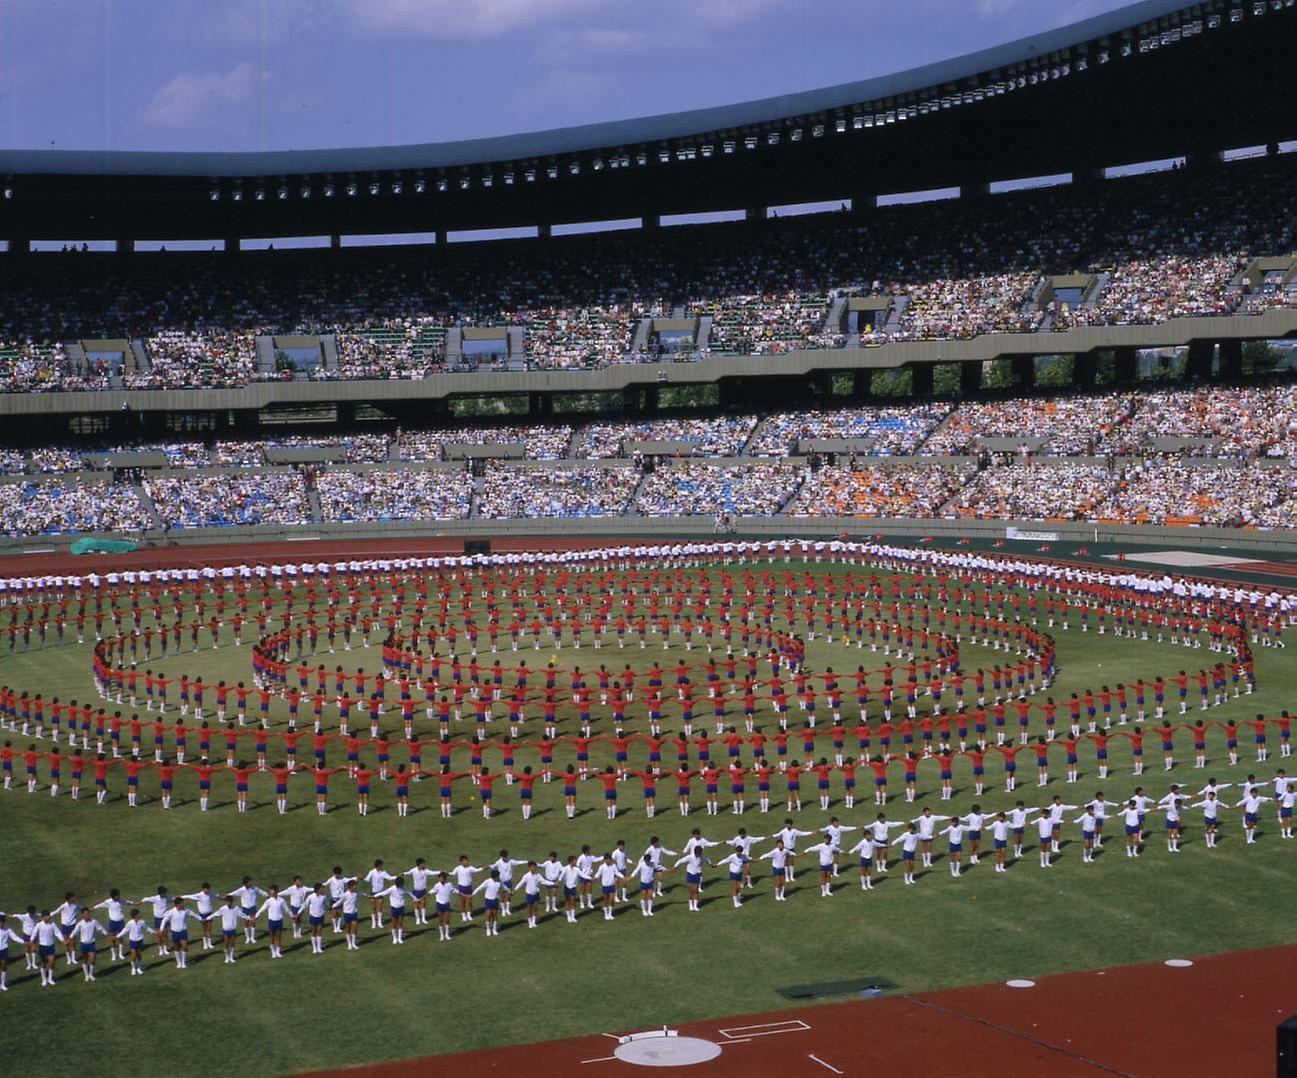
(104, 546)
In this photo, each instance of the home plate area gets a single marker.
(670, 1048)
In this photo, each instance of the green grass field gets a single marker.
(264, 1017)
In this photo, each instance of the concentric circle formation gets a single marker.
(1020, 982)
(660, 1050)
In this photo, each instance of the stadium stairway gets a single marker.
(329, 352)
(792, 495)
(143, 364)
(703, 334)
(313, 501)
(639, 342)
(155, 519)
(630, 510)
(265, 354)
(833, 320)
(1100, 283)
(894, 314)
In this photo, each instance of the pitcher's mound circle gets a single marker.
(667, 1051)
(1178, 963)
(1021, 983)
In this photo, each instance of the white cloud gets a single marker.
(993, 9)
(723, 13)
(467, 18)
(189, 99)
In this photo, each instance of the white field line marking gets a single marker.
(767, 1029)
(613, 1036)
(601, 1059)
(828, 1065)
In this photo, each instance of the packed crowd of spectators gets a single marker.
(1056, 490)
(771, 323)
(1259, 421)
(1170, 490)
(1162, 246)
(895, 430)
(582, 336)
(61, 508)
(412, 347)
(208, 356)
(711, 436)
(540, 443)
(1060, 426)
(695, 488)
(378, 496)
(873, 490)
(512, 493)
(229, 499)
(26, 367)
(954, 309)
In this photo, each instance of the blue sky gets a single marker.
(292, 74)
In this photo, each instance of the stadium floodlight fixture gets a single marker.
(1236, 14)
(237, 194)
(664, 157)
(282, 193)
(727, 147)
(840, 126)
(443, 185)
(1258, 8)
(1082, 64)
(508, 179)
(598, 164)
(1103, 56)
(795, 134)
(750, 143)
(682, 154)
(858, 122)
(552, 172)
(1213, 21)
(869, 121)
(8, 193)
(328, 190)
(420, 186)
(574, 168)
(772, 138)
(374, 188)
(817, 131)
(306, 190)
(260, 194)
(641, 158)
(351, 190)
(708, 150)
(530, 175)
(488, 180)
(397, 187)
(464, 183)
(214, 195)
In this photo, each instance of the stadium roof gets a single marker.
(1158, 78)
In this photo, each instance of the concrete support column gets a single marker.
(1024, 371)
(1124, 365)
(1084, 370)
(922, 379)
(1231, 359)
(1201, 356)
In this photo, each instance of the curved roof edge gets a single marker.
(567, 140)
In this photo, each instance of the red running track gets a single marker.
(1216, 1017)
